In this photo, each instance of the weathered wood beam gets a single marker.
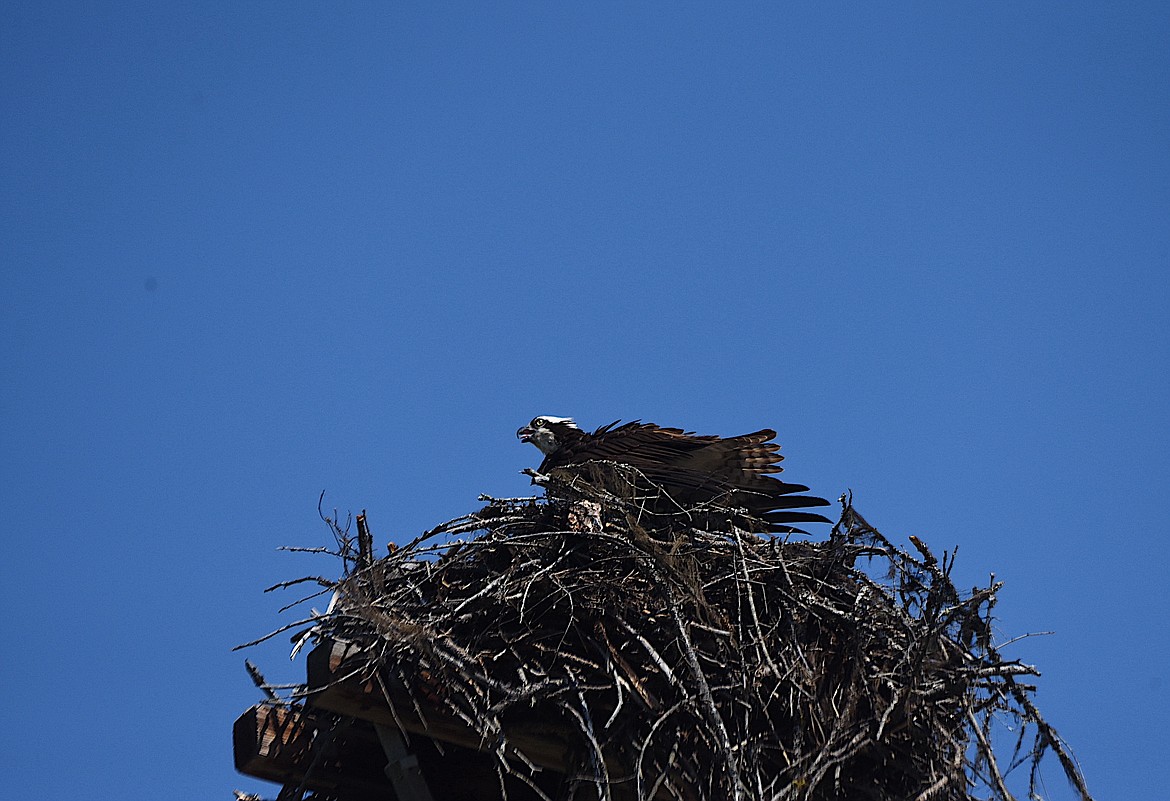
(337, 679)
(275, 742)
(270, 740)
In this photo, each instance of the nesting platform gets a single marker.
(562, 649)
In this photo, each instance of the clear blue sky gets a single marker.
(256, 251)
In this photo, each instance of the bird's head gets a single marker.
(547, 433)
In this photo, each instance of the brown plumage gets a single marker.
(694, 472)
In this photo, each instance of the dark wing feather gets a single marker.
(697, 469)
(634, 443)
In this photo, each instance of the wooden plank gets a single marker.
(270, 740)
(270, 744)
(334, 671)
(274, 742)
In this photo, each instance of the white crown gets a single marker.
(553, 419)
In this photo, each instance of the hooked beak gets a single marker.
(524, 433)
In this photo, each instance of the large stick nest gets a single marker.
(701, 665)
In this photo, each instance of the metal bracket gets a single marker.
(403, 769)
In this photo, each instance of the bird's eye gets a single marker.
(539, 422)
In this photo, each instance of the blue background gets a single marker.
(251, 252)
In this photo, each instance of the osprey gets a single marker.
(694, 473)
